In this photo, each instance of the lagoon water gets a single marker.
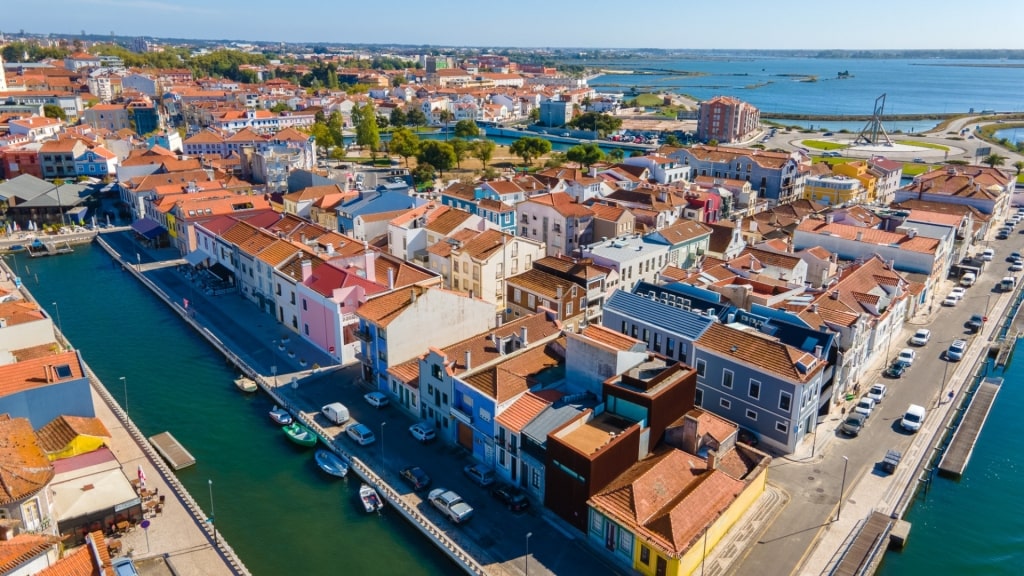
(912, 86)
(279, 512)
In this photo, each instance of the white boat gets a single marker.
(280, 416)
(246, 384)
(331, 463)
(371, 500)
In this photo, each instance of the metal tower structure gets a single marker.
(874, 129)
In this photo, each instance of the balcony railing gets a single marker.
(363, 334)
(461, 416)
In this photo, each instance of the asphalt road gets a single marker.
(814, 485)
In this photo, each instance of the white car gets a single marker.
(906, 356)
(864, 406)
(423, 431)
(988, 254)
(921, 337)
(376, 399)
(958, 292)
(950, 301)
(877, 392)
(1016, 267)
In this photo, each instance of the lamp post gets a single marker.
(60, 329)
(382, 424)
(526, 559)
(60, 207)
(213, 524)
(124, 381)
(842, 488)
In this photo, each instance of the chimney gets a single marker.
(522, 337)
(412, 295)
(712, 460)
(829, 218)
(307, 269)
(912, 233)
(753, 225)
(370, 265)
(468, 358)
(860, 235)
(835, 294)
(818, 351)
(391, 278)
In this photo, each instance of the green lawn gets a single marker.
(924, 145)
(649, 100)
(823, 145)
(913, 169)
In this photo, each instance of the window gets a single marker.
(304, 304)
(430, 387)
(755, 389)
(647, 335)
(305, 328)
(751, 415)
(531, 301)
(698, 399)
(701, 368)
(625, 328)
(568, 309)
(727, 379)
(444, 399)
(785, 401)
(725, 403)
(435, 371)
(782, 427)
(535, 477)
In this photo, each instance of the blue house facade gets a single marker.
(474, 413)
(484, 202)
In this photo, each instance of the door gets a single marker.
(660, 566)
(465, 436)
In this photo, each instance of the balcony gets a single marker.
(461, 416)
(363, 334)
(364, 359)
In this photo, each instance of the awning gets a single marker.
(148, 228)
(194, 258)
(221, 271)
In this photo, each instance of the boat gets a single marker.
(300, 434)
(331, 463)
(281, 416)
(246, 384)
(371, 500)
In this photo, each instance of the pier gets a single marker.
(869, 539)
(960, 448)
(172, 451)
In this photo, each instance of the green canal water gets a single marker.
(279, 512)
(976, 525)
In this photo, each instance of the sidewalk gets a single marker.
(176, 537)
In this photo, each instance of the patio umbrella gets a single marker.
(142, 477)
(16, 227)
(8, 228)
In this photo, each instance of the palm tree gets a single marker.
(993, 160)
(446, 117)
(1019, 165)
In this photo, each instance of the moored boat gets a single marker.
(245, 384)
(371, 500)
(300, 434)
(331, 463)
(280, 416)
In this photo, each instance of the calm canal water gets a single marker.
(974, 526)
(281, 514)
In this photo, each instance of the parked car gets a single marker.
(415, 476)
(950, 301)
(423, 431)
(958, 292)
(361, 434)
(877, 392)
(896, 370)
(1014, 256)
(956, 350)
(976, 322)
(853, 424)
(451, 505)
(864, 406)
(512, 497)
(988, 254)
(482, 475)
(1017, 267)
(907, 356)
(968, 279)
(1002, 235)
(913, 418)
(921, 337)
(376, 399)
(336, 412)
(919, 160)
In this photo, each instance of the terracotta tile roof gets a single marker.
(59, 432)
(37, 372)
(962, 181)
(462, 190)
(24, 468)
(444, 222)
(610, 338)
(668, 499)
(953, 220)
(383, 309)
(563, 204)
(485, 244)
(784, 261)
(20, 311)
(870, 236)
(290, 135)
(818, 252)
(494, 205)
(278, 252)
(725, 155)
(407, 372)
(765, 353)
(481, 347)
(24, 547)
(313, 192)
(81, 561)
(204, 137)
(403, 273)
(684, 231)
(541, 283)
(522, 412)
(512, 377)
(607, 212)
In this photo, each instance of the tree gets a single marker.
(484, 151)
(671, 140)
(713, 142)
(367, 131)
(534, 115)
(462, 149)
(446, 117)
(405, 143)
(994, 160)
(398, 117)
(616, 154)
(530, 148)
(1019, 165)
(54, 111)
(467, 129)
(279, 107)
(603, 124)
(423, 173)
(416, 117)
(336, 125)
(585, 154)
(438, 154)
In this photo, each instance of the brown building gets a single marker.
(726, 119)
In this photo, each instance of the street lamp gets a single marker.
(526, 559)
(124, 381)
(60, 329)
(60, 207)
(842, 488)
(382, 424)
(213, 524)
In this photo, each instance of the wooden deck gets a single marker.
(870, 541)
(172, 450)
(958, 453)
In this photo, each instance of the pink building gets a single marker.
(727, 119)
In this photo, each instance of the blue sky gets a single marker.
(765, 24)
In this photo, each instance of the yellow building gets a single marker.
(67, 436)
(666, 512)
(861, 172)
(832, 190)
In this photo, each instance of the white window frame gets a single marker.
(732, 378)
(781, 426)
(750, 387)
(751, 414)
(784, 394)
(725, 403)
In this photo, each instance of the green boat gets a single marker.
(300, 434)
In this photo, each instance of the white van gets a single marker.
(1008, 283)
(968, 279)
(335, 412)
(913, 418)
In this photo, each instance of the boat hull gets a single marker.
(245, 384)
(370, 499)
(281, 416)
(331, 463)
(300, 435)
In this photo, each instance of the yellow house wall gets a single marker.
(79, 445)
(172, 229)
(691, 560)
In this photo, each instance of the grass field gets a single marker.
(924, 145)
(649, 100)
(822, 145)
(913, 169)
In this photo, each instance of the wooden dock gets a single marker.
(958, 453)
(172, 450)
(870, 540)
